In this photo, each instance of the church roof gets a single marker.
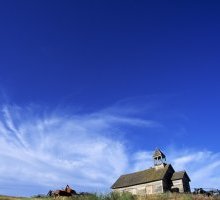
(158, 153)
(180, 175)
(140, 177)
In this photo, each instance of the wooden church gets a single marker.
(158, 179)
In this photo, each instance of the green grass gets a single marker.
(124, 196)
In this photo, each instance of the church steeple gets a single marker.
(159, 158)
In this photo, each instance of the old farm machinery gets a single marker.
(207, 191)
(68, 191)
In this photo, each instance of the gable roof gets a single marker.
(180, 175)
(140, 177)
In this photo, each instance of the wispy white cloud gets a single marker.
(203, 167)
(54, 149)
(48, 150)
(141, 160)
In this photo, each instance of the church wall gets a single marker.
(186, 185)
(178, 184)
(182, 184)
(143, 189)
(167, 183)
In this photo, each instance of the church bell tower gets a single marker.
(159, 159)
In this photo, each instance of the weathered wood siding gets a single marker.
(178, 184)
(143, 189)
(182, 184)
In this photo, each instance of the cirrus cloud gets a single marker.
(46, 150)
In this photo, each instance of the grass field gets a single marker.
(115, 196)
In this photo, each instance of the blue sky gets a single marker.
(92, 82)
